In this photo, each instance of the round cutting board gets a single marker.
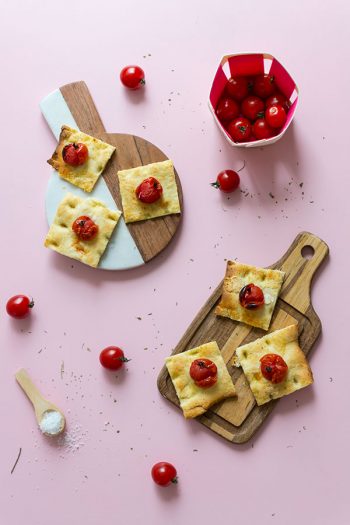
(132, 244)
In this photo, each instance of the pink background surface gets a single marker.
(295, 470)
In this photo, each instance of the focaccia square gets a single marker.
(135, 210)
(194, 400)
(86, 175)
(283, 342)
(62, 238)
(239, 275)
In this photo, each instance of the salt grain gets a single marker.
(52, 423)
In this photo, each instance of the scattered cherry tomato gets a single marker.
(75, 154)
(278, 99)
(227, 109)
(253, 107)
(273, 367)
(264, 86)
(204, 372)
(132, 77)
(85, 228)
(227, 181)
(261, 129)
(238, 88)
(240, 129)
(251, 297)
(112, 358)
(19, 306)
(276, 116)
(150, 190)
(164, 473)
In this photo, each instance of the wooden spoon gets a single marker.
(41, 406)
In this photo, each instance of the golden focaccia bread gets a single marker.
(135, 210)
(194, 400)
(239, 275)
(283, 342)
(86, 175)
(62, 238)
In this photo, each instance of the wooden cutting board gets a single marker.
(237, 419)
(72, 104)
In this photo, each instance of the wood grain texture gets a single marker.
(237, 419)
(153, 235)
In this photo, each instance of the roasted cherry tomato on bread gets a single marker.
(278, 99)
(238, 88)
(227, 109)
(19, 306)
(273, 367)
(204, 372)
(240, 129)
(112, 358)
(251, 297)
(276, 116)
(253, 107)
(85, 228)
(164, 474)
(75, 154)
(227, 181)
(261, 129)
(264, 86)
(132, 77)
(150, 190)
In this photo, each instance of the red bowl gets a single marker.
(251, 64)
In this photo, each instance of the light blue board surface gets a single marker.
(121, 252)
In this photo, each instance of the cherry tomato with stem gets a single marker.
(75, 154)
(278, 100)
(204, 372)
(164, 473)
(251, 297)
(275, 116)
(240, 129)
(273, 367)
(261, 129)
(112, 358)
(149, 191)
(227, 180)
(264, 86)
(19, 306)
(85, 228)
(132, 77)
(253, 107)
(238, 88)
(227, 109)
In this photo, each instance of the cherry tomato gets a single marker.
(251, 297)
(273, 367)
(238, 88)
(19, 306)
(75, 154)
(227, 109)
(261, 129)
(150, 190)
(132, 77)
(227, 181)
(264, 86)
(253, 107)
(164, 473)
(275, 116)
(112, 358)
(204, 372)
(278, 99)
(85, 228)
(240, 129)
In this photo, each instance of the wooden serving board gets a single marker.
(72, 104)
(236, 419)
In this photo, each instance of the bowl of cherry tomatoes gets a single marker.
(253, 99)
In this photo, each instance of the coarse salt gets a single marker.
(52, 422)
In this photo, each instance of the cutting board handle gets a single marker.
(301, 262)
